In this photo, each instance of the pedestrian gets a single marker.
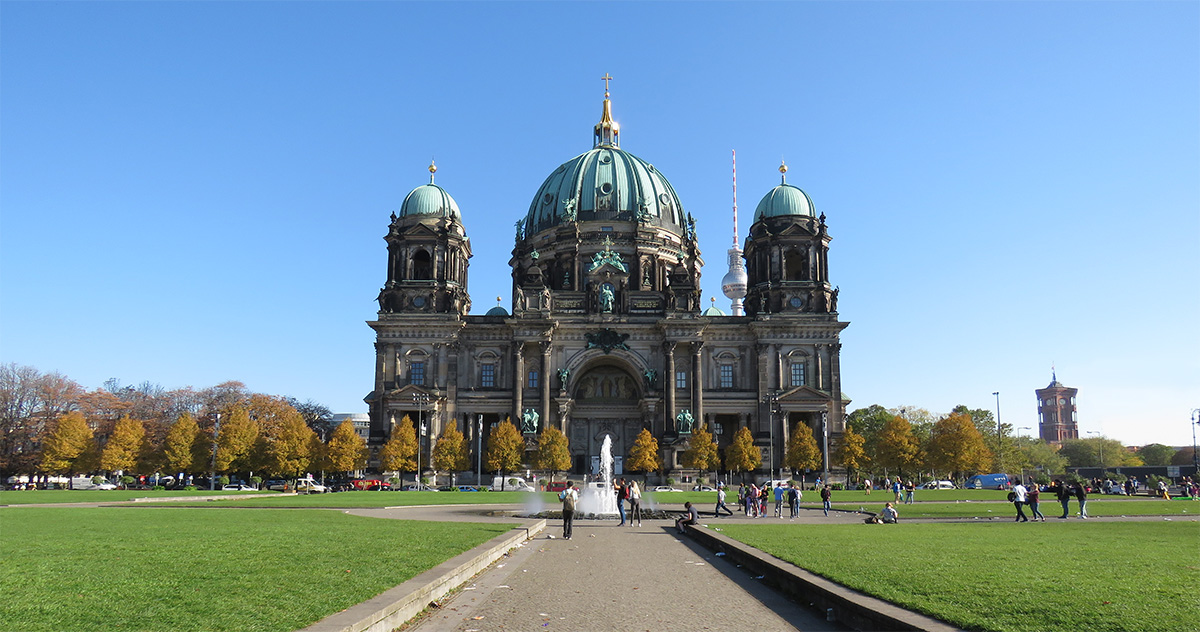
(779, 493)
(1032, 498)
(909, 489)
(752, 501)
(1081, 496)
(742, 497)
(1063, 493)
(1017, 496)
(764, 493)
(867, 486)
(1163, 490)
(793, 496)
(569, 498)
(896, 489)
(635, 503)
(622, 493)
(889, 515)
(721, 502)
(690, 518)
(826, 497)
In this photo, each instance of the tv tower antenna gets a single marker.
(733, 285)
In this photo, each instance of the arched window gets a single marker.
(422, 266)
(796, 265)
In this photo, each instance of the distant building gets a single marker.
(362, 423)
(1057, 419)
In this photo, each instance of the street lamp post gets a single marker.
(212, 470)
(420, 400)
(1100, 444)
(479, 451)
(1195, 457)
(772, 402)
(999, 435)
(825, 446)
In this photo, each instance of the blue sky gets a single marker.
(197, 192)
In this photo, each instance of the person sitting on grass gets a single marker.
(889, 514)
(691, 517)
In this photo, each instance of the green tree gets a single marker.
(399, 454)
(124, 445)
(955, 446)
(643, 455)
(553, 452)
(850, 454)
(983, 420)
(69, 446)
(1088, 453)
(802, 450)
(1043, 456)
(741, 455)
(505, 449)
(897, 447)
(702, 453)
(346, 451)
(451, 453)
(869, 422)
(1156, 454)
(236, 440)
(179, 446)
(1184, 456)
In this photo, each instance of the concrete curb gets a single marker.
(847, 606)
(392, 608)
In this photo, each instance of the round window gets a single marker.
(606, 158)
(418, 301)
(548, 198)
(606, 188)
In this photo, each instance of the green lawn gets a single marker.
(392, 499)
(58, 496)
(1005, 510)
(1058, 576)
(171, 569)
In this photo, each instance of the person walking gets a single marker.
(622, 493)
(779, 492)
(1164, 491)
(867, 486)
(910, 488)
(1017, 496)
(1063, 494)
(896, 489)
(721, 502)
(793, 497)
(569, 498)
(635, 503)
(742, 497)
(826, 497)
(1081, 496)
(1032, 498)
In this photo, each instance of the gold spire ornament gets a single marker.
(782, 171)
(607, 132)
(432, 170)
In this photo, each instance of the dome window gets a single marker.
(606, 188)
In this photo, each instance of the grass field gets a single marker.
(1060, 576)
(61, 496)
(171, 569)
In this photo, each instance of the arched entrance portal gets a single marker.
(606, 401)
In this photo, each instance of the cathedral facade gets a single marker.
(606, 334)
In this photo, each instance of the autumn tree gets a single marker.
(897, 447)
(742, 455)
(179, 446)
(505, 449)
(702, 453)
(399, 454)
(553, 452)
(802, 451)
(643, 455)
(124, 446)
(69, 446)
(236, 440)
(288, 444)
(28, 398)
(850, 454)
(956, 446)
(346, 450)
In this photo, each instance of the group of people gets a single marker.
(753, 499)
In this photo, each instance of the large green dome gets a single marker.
(605, 183)
(430, 200)
(784, 200)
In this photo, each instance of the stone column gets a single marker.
(697, 380)
(819, 367)
(545, 384)
(669, 352)
(518, 381)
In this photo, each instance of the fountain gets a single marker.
(597, 497)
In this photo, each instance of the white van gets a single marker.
(510, 484)
(86, 482)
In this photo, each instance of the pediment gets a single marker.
(407, 391)
(420, 231)
(802, 395)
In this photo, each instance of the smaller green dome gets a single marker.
(497, 311)
(712, 311)
(784, 200)
(430, 200)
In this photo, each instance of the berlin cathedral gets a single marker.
(606, 334)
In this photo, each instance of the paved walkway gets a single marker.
(612, 578)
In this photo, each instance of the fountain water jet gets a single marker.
(598, 497)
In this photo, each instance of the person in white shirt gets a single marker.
(889, 515)
(1019, 501)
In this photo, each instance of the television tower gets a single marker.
(733, 284)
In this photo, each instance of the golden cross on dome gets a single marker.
(606, 78)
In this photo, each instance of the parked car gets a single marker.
(665, 488)
(938, 485)
(987, 481)
(276, 485)
(413, 487)
(239, 488)
(704, 488)
(309, 486)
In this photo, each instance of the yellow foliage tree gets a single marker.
(399, 454)
(236, 440)
(898, 448)
(742, 455)
(288, 445)
(505, 449)
(643, 455)
(124, 445)
(450, 453)
(851, 454)
(179, 446)
(956, 446)
(802, 451)
(553, 452)
(702, 453)
(346, 451)
(66, 450)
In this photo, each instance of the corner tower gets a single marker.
(1057, 421)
